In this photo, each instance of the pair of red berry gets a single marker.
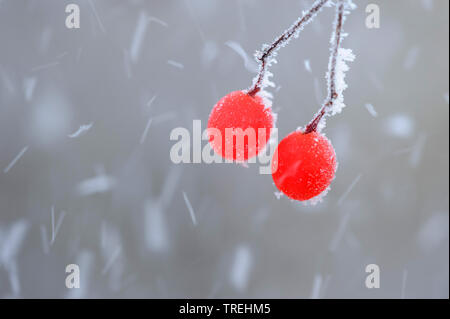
(303, 164)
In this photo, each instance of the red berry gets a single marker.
(303, 165)
(240, 114)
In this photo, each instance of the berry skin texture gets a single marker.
(303, 165)
(244, 124)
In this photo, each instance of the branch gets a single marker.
(332, 67)
(269, 51)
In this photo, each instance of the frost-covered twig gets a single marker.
(266, 56)
(336, 69)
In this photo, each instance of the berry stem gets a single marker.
(270, 50)
(332, 94)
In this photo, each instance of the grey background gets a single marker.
(136, 238)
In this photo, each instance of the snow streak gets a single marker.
(191, 210)
(81, 130)
(14, 161)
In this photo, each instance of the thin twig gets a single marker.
(332, 94)
(270, 50)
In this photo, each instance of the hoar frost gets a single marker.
(337, 67)
(267, 56)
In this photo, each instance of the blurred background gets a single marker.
(86, 177)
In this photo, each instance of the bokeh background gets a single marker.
(120, 207)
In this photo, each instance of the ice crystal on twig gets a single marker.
(337, 66)
(266, 57)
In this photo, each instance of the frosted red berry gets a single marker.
(236, 116)
(303, 165)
